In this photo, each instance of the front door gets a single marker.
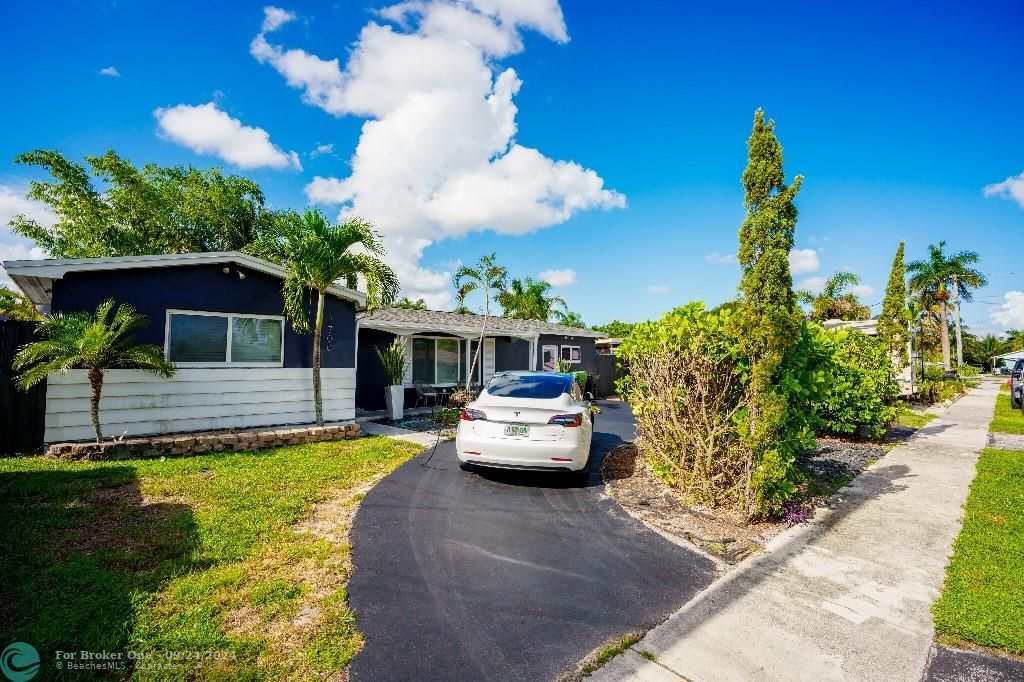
(549, 358)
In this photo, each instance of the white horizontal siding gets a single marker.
(195, 399)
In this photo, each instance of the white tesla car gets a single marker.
(527, 420)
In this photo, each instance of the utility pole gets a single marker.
(956, 313)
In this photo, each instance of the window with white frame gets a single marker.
(437, 360)
(200, 338)
(570, 354)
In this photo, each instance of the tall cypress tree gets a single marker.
(770, 317)
(894, 321)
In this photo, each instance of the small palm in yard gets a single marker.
(317, 254)
(92, 342)
(486, 277)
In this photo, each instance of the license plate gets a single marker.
(518, 430)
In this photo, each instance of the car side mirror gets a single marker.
(588, 396)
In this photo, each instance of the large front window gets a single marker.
(436, 360)
(200, 338)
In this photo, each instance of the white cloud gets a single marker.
(803, 260)
(13, 202)
(559, 278)
(721, 258)
(657, 289)
(1010, 313)
(205, 129)
(815, 285)
(1010, 188)
(438, 157)
(275, 17)
(322, 149)
(110, 71)
(862, 290)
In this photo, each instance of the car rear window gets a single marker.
(540, 386)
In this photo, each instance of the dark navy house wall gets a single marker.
(588, 354)
(370, 380)
(151, 291)
(511, 354)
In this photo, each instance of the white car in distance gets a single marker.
(534, 421)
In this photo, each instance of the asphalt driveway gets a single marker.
(505, 575)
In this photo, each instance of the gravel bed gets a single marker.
(835, 461)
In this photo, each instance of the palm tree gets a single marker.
(1014, 339)
(935, 276)
(317, 254)
(95, 343)
(571, 319)
(528, 299)
(986, 348)
(486, 277)
(835, 302)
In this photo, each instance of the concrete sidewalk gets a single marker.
(846, 597)
(423, 438)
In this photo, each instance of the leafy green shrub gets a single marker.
(685, 384)
(448, 416)
(968, 371)
(581, 379)
(861, 391)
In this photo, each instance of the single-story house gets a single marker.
(219, 318)
(1004, 363)
(608, 346)
(439, 348)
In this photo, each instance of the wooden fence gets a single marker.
(22, 414)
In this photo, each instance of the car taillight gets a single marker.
(470, 415)
(567, 419)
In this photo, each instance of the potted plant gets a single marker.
(392, 359)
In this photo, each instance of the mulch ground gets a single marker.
(725, 533)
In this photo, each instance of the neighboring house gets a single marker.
(439, 349)
(607, 346)
(869, 327)
(1002, 364)
(219, 318)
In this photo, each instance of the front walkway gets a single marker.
(846, 597)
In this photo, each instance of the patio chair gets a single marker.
(426, 394)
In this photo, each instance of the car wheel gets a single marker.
(1014, 403)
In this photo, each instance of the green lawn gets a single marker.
(1007, 419)
(912, 418)
(244, 554)
(983, 597)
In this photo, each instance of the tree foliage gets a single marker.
(487, 278)
(894, 320)
(409, 304)
(529, 299)
(932, 279)
(15, 305)
(615, 328)
(835, 302)
(109, 207)
(96, 343)
(570, 318)
(861, 390)
(770, 321)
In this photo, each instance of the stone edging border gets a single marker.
(178, 445)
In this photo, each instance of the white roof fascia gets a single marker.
(35, 277)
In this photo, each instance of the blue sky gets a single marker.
(897, 116)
